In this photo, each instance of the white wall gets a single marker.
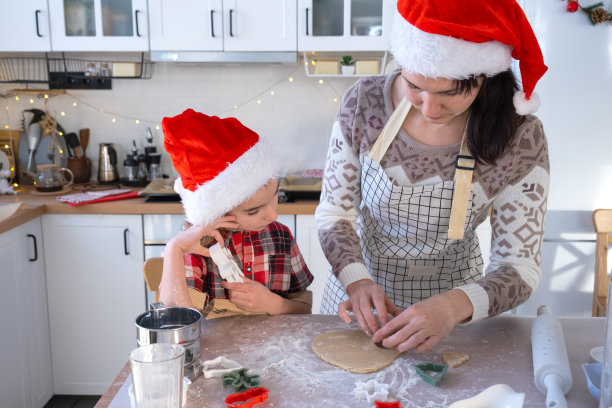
(297, 118)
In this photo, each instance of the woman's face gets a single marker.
(260, 210)
(437, 99)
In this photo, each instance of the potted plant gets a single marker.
(348, 65)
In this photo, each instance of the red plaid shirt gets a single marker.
(270, 257)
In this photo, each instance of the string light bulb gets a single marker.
(272, 93)
(74, 104)
(114, 120)
(137, 121)
(290, 79)
(16, 98)
(320, 81)
(31, 100)
(63, 113)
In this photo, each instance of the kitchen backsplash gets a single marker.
(278, 101)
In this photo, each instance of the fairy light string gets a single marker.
(114, 117)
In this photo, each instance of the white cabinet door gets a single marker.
(344, 25)
(222, 25)
(26, 376)
(264, 25)
(186, 25)
(308, 242)
(96, 289)
(99, 25)
(25, 26)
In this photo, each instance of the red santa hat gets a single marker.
(457, 39)
(221, 163)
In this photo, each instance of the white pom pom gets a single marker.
(524, 106)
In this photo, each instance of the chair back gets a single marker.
(602, 221)
(152, 270)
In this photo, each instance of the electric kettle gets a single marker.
(107, 165)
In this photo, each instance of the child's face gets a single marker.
(260, 210)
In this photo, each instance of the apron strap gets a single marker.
(464, 169)
(390, 130)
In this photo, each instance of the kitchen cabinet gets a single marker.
(344, 25)
(26, 375)
(96, 289)
(308, 242)
(99, 25)
(221, 25)
(25, 26)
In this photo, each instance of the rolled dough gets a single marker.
(352, 350)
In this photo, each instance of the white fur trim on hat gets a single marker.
(439, 56)
(524, 106)
(233, 186)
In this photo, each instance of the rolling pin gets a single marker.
(551, 370)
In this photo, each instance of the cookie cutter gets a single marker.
(393, 404)
(219, 366)
(371, 391)
(434, 379)
(241, 380)
(228, 269)
(247, 398)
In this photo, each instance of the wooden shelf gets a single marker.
(311, 59)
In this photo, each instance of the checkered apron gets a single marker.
(404, 241)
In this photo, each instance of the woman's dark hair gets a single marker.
(493, 119)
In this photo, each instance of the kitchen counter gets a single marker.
(47, 204)
(278, 349)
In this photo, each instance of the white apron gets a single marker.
(404, 239)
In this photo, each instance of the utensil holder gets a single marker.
(81, 168)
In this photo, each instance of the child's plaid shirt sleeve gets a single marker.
(195, 270)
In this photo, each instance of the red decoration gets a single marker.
(572, 6)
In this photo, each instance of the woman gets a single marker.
(418, 159)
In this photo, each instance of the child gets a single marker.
(228, 186)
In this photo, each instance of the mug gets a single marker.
(49, 178)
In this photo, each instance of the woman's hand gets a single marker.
(363, 296)
(425, 323)
(188, 241)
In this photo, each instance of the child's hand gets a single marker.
(250, 295)
(188, 241)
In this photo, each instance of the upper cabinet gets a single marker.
(99, 25)
(344, 25)
(222, 25)
(25, 26)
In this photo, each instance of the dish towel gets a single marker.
(91, 197)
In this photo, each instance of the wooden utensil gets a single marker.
(84, 137)
(73, 141)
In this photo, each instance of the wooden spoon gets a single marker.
(84, 137)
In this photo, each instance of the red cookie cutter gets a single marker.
(394, 404)
(247, 398)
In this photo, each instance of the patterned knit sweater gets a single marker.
(514, 189)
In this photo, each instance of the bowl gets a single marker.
(592, 373)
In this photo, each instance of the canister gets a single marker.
(178, 325)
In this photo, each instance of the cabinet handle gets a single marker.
(125, 242)
(37, 26)
(212, 23)
(231, 13)
(307, 9)
(35, 249)
(136, 18)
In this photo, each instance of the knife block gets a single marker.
(81, 168)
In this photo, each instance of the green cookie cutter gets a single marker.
(434, 379)
(241, 380)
